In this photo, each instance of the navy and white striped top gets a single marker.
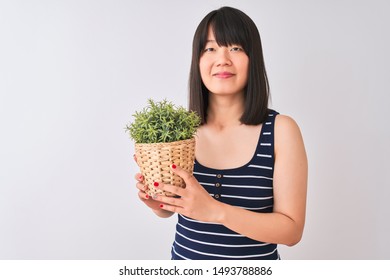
(249, 187)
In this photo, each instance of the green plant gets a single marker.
(162, 122)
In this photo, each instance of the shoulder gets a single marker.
(284, 122)
(287, 132)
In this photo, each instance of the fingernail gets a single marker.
(161, 206)
(141, 177)
(155, 184)
(173, 166)
(147, 196)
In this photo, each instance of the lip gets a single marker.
(223, 75)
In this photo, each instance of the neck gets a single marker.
(225, 111)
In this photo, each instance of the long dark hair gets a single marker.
(230, 27)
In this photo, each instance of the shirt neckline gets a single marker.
(239, 167)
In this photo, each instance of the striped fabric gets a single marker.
(249, 187)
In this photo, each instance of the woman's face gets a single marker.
(224, 70)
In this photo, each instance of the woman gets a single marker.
(248, 190)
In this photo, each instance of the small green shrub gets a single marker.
(162, 122)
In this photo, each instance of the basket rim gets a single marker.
(166, 143)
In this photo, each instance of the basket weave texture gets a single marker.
(155, 160)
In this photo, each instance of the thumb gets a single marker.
(185, 175)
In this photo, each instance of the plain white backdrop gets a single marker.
(72, 73)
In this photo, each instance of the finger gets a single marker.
(169, 188)
(141, 187)
(143, 195)
(139, 177)
(186, 176)
(135, 159)
(173, 201)
(172, 208)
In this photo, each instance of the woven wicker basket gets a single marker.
(155, 162)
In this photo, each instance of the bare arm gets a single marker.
(285, 225)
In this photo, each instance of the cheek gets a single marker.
(244, 67)
(203, 68)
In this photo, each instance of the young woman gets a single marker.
(248, 190)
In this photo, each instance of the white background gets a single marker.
(73, 72)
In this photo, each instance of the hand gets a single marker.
(193, 202)
(145, 198)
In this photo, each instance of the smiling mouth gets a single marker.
(223, 75)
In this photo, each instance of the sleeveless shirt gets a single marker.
(249, 187)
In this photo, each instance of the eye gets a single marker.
(208, 50)
(236, 49)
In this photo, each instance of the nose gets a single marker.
(223, 57)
